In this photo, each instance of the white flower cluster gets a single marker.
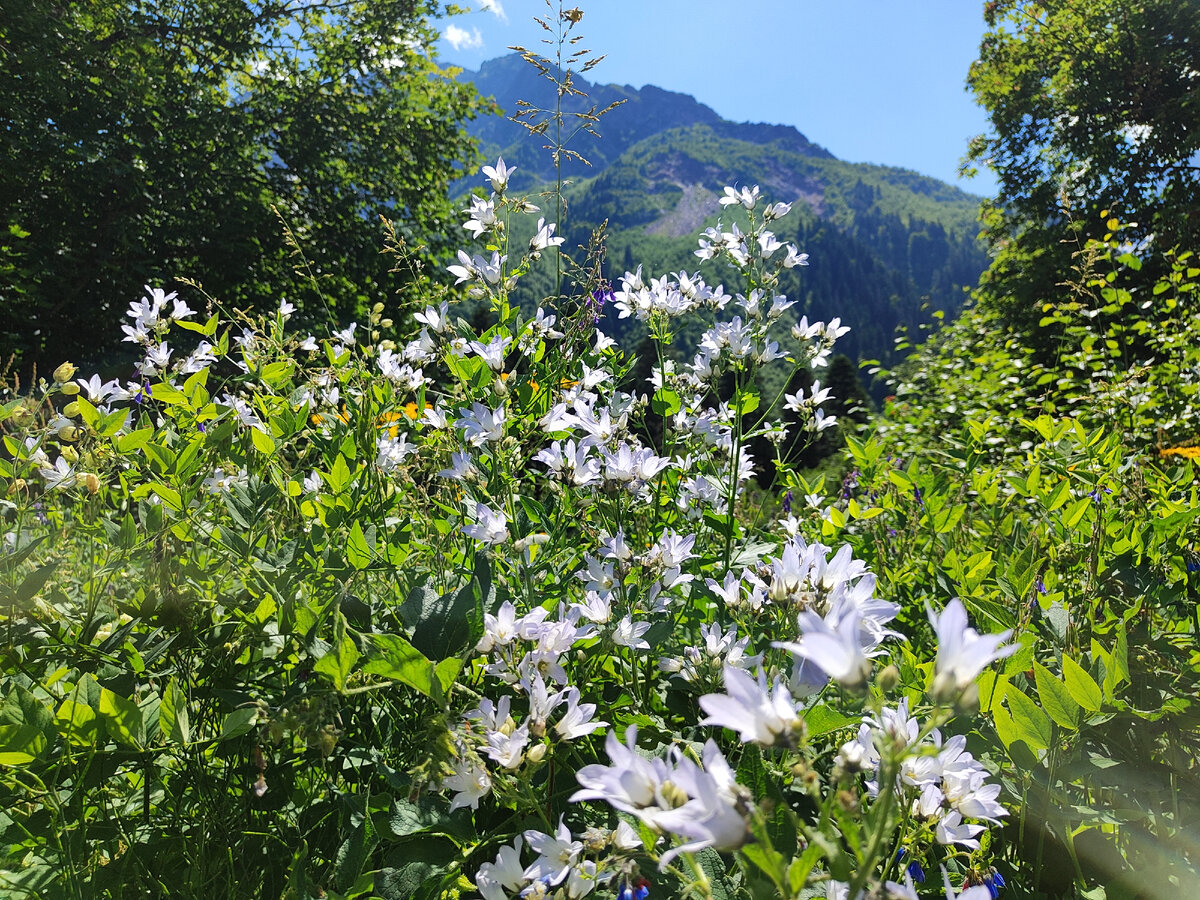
(703, 804)
(940, 782)
(577, 865)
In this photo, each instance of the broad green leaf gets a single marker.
(666, 402)
(262, 441)
(1081, 685)
(167, 393)
(123, 719)
(173, 714)
(393, 657)
(1031, 724)
(824, 719)
(1074, 514)
(77, 722)
(338, 477)
(276, 373)
(339, 661)
(1055, 697)
(747, 402)
(111, 423)
(20, 744)
(358, 552)
(239, 722)
(135, 440)
(34, 582)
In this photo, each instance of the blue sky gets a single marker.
(878, 81)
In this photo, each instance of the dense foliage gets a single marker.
(186, 137)
(1093, 107)
(461, 597)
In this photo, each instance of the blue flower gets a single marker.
(637, 890)
(916, 872)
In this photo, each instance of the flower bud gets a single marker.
(65, 372)
(385, 323)
(377, 308)
(71, 410)
(70, 454)
(968, 703)
(888, 679)
(945, 689)
(68, 433)
(69, 389)
(90, 480)
(536, 753)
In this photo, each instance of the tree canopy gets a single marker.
(147, 140)
(1094, 105)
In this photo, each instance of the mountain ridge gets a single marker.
(889, 247)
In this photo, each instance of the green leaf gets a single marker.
(34, 582)
(339, 660)
(1074, 514)
(1031, 724)
(338, 476)
(407, 818)
(167, 393)
(666, 402)
(173, 714)
(1055, 697)
(123, 718)
(20, 744)
(391, 656)
(111, 423)
(239, 722)
(276, 373)
(441, 625)
(135, 440)
(262, 441)
(1081, 685)
(77, 722)
(823, 719)
(747, 402)
(358, 552)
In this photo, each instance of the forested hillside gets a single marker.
(887, 246)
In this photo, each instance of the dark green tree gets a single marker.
(1094, 105)
(148, 140)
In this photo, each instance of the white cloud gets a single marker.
(461, 39)
(495, 8)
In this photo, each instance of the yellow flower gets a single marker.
(1187, 452)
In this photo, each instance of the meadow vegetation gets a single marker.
(463, 598)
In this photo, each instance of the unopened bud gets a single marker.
(90, 480)
(386, 323)
(65, 372)
(70, 454)
(536, 753)
(69, 389)
(945, 689)
(968, 703)
(888, 679)
(377, 308)
(68, 433)
(71, 410)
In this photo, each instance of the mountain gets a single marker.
(887, 246)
